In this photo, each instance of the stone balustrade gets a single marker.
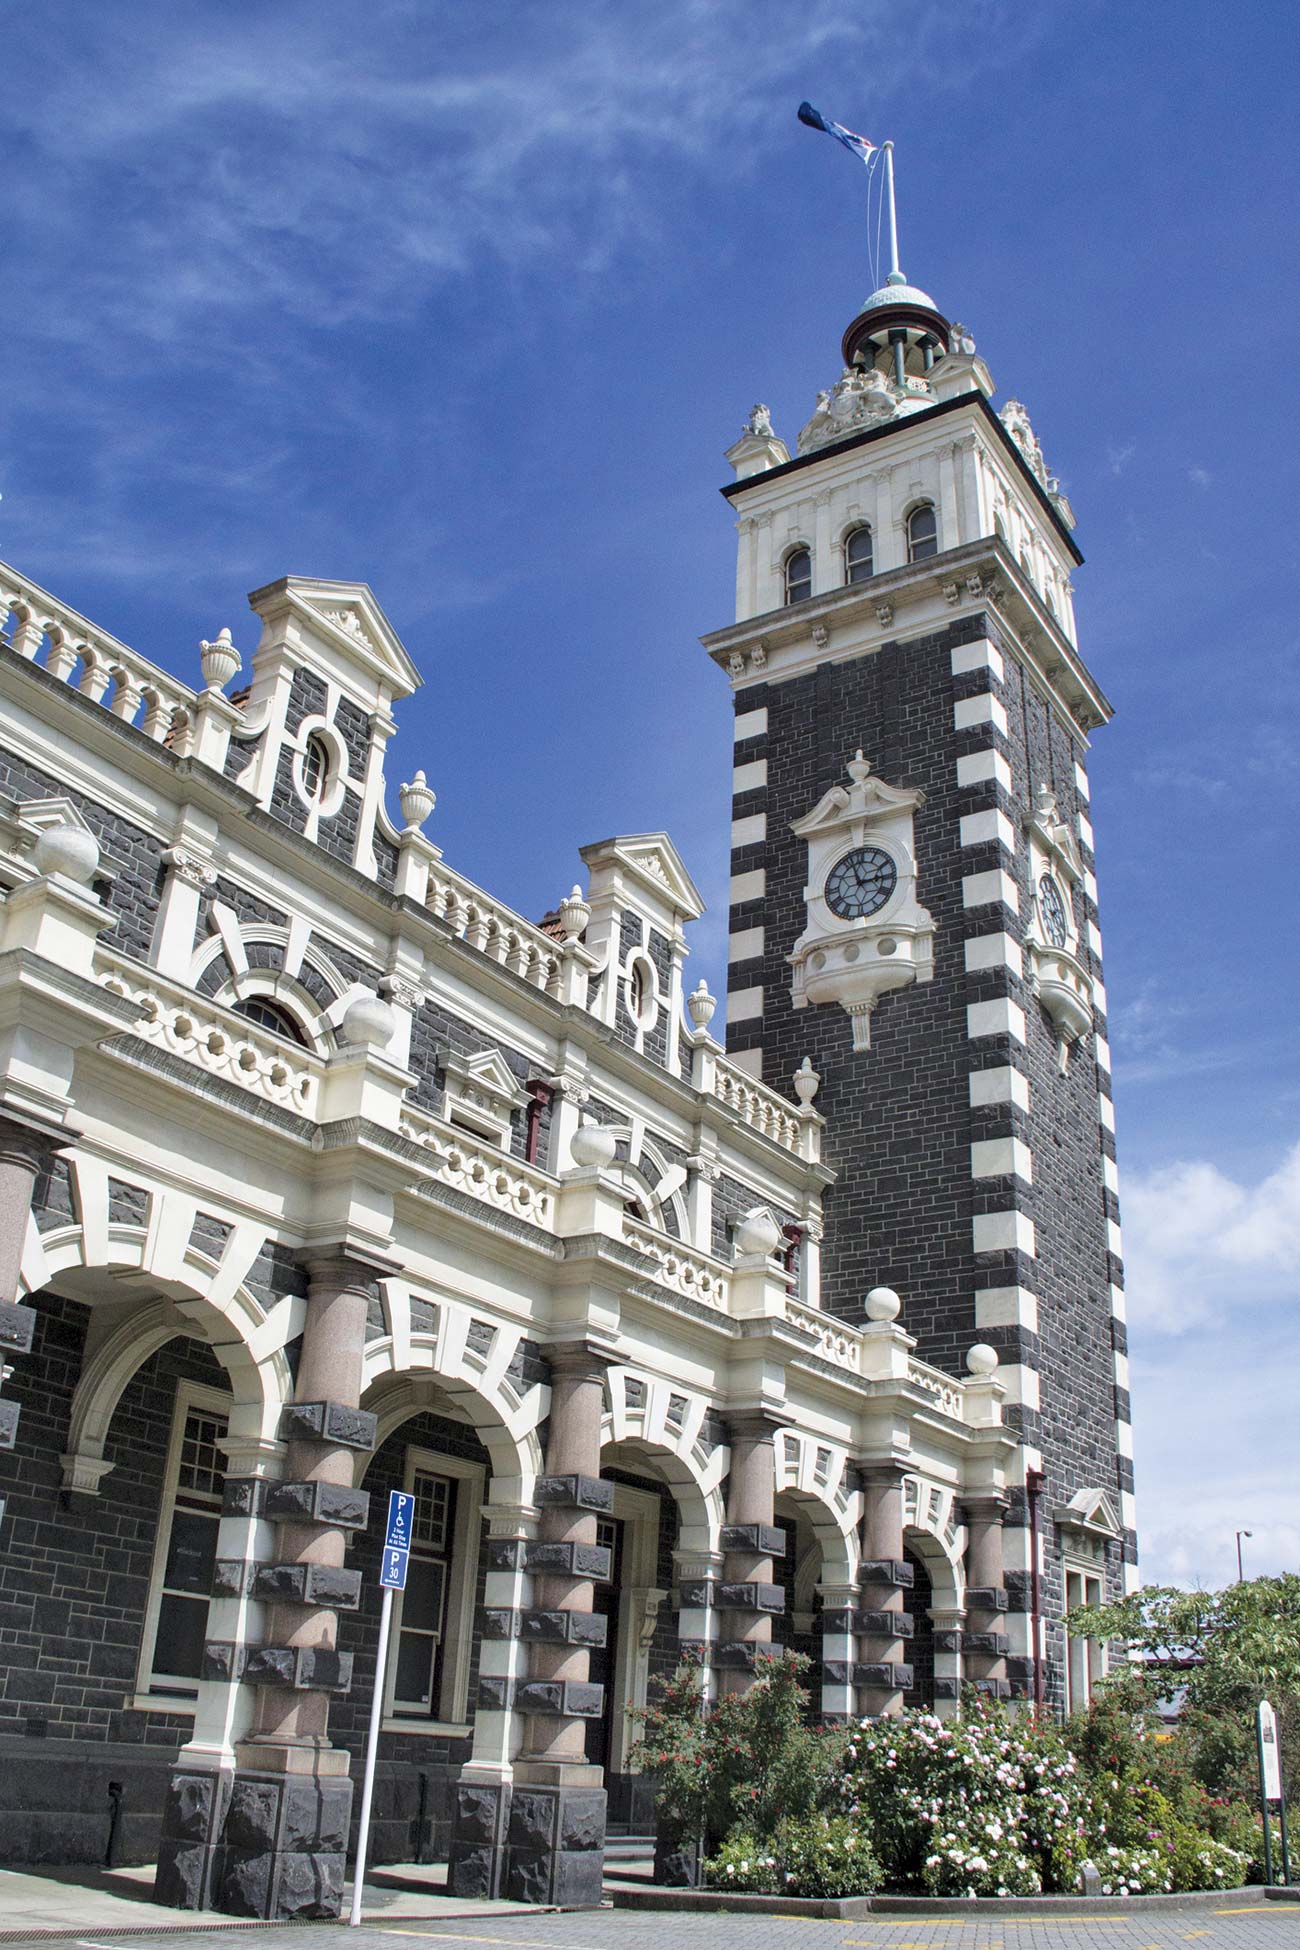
(215, 1038)
(944, 1391)
(482, 1171)
(763, 1110)
(832, 1339)
(695, 1275)
(504, 937)
(34, 625)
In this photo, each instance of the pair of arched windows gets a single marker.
(859, 553)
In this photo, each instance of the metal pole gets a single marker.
(372, 1748)
(1281, 1823)
(893, 214)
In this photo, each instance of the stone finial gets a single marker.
(592, 1147)
(759, 423)
(369, 1021)
(758, 1235)
(807, 1082)
(701, 1004)
(858, 767)
(981, 1360)
(1044, 802)
(417, 800)
(67, 850)
(220, 659)
(575, 912)
(883, 1304)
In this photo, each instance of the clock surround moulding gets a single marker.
(866, 932)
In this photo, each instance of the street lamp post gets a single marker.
(1240, 1535)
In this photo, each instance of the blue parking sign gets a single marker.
(392, 1569)
(401, 1520)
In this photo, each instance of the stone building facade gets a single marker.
(322, 1173)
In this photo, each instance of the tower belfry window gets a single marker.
(859, 555)
(922, 533)
(798, 575)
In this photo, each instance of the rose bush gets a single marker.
(814, 1855)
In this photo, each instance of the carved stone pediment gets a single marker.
(1091, 1514)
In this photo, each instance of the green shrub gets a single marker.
(813, 1855)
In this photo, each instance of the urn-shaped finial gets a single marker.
(220, 661)
(417, 800)
(807, 1082)
(575, 913)
(858, 767)
(701, 1004)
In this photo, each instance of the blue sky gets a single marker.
(466, 301)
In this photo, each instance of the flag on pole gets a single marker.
(857, 144)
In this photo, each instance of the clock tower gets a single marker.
(914, 906)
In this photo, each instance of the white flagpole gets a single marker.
(893, 214)
(372, 1747)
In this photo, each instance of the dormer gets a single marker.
(641, 899)
(318, 714)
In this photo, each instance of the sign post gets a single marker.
(392, 1576)
(1270, 1783)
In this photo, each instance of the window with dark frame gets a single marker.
(315, 766)
(859, 555)
(190, 1556)
(270, 1015)
(421, 1629)
(922, 533)
(798, 575)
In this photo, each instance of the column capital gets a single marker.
(336, 1268)
(875, 1473)
(585, 1359)
(983, 1506)
(30, 1146)
(752, 1424)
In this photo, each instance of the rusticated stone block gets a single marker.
(244, 1496)
(332, 1422)
(8, 1424)
(945, 1688)
(181, 1879)
(570, 1699)
(887, 1570)
(765, 1540)
(495, 1692)
(837, 1672)
(253, 1816)
(223, 1660)
(191, 1805)
(232, 1577)
(1020, 1666)
(304, 1668)
(314, 1814)
(575, 1493)
(506, 1553)
(887, 1624)
(17, 1326)
(739, 1655)
(308, 1584)
(244, 1887)
(947, 1641)
(749, 1595)
(323, 1503)
(992, 1644)
(501, 1624)
(695, 1595)
(564, 1627)
(991, 1688)
(887, 1674)
(986, 1597)
(309, 1887)
(575, 1560)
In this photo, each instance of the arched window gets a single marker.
(269, 1015)
(315, 766)
(922, 533)
(798, 575)
(859, 558)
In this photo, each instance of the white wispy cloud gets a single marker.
(1118, 458)
(1200, 1245)
(1200, 477)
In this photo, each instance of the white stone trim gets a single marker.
(1114, 1239)
(1085, 832)
(1124, 1440)
(977, 829)
(1094, 939)
(1098, 996)
(984, 889)
(746, 943)
(1109, 1174)
(749, 777)
(1118, 1303)
(1101, 1052)
(743, 1005)
(977, 768)
(977, 656)
(1000, 950)
(1122, 1377)
(1090, 885)
(1004, 1085)
(1004, 1157)
(749, 886)
(748, 1060)
(1022, 1385)
(1106, 1114)
(1081, 781)
(751, 724)
(749, 830)
(1007, 1306)
(999, 1017)
(1004, 1232)
(968, 713)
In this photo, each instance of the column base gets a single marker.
(476, 1860)
(555, 1845)
(271, 1846)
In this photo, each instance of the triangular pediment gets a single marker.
(1090, 1510)
(653, 860)
(347, 618)
(486, 1074)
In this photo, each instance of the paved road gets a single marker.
(1243, 1925)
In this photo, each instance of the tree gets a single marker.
(1228, 1649)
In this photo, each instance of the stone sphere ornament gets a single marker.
(758, 1235)
(369, 1022)
(592, 1147)
(220, 661)
(883, 1304)
(982, 1360)
(67, 850)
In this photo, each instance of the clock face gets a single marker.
(1051, 908)
(861, 882)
